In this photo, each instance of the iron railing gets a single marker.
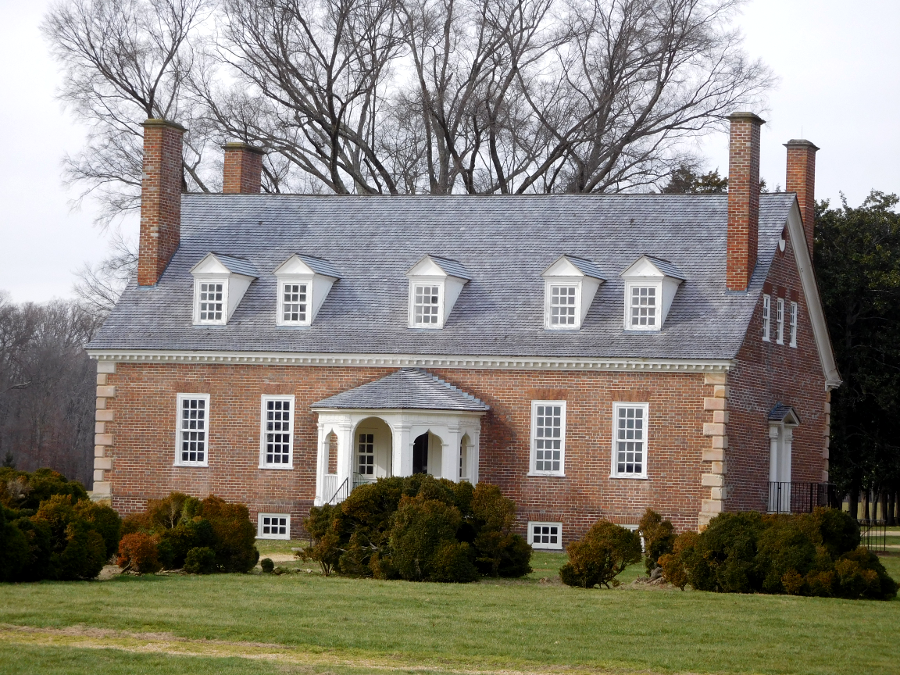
(873, 533)
(340, 494)
(792, 497)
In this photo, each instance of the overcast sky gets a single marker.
(837, 61)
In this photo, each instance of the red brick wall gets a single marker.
(160, 199)
(767, 373)
(801, 178)
(145, 416)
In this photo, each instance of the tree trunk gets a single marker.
(854, 501)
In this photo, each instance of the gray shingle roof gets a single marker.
(237, 265)
(781, 411)
(408, 388)
(505, 243)
(451, 267)
(320, 266)
(586, 266)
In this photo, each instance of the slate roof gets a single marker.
(319, 266)
(667, 268)
(237, 265)
(505, 243)
(407, 388)
(781, 411)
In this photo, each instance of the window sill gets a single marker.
(271, 538)
(191, 466)
(547, 548)
(277, 467)
(613, 476)
(535, 474)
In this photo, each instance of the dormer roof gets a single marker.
(651, 266)
(785, 414)
(570, 265)
(432, 265)
(303, 264)
(217, 263)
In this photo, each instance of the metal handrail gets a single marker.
(340, 494)
(797, 497)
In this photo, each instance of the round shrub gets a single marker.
(138, 554)
(267, 565)
(604, 552)
(235, 536)
(860, 574)
(202, 560)
(77, 549)
(498, 551)
(423, 528)
(675, 564)
(105, 520)
(659, 538)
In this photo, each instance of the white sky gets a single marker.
(837, 61)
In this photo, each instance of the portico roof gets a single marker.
(408, 388)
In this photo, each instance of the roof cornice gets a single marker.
(414, 361)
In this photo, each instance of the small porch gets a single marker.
(406, 423)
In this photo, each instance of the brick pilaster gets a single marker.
(243, 169)
(160, 198)
(801, 178)
(743, 199)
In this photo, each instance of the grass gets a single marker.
(343, 626)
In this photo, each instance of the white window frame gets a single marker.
(767, 317)
(308, 285)
(180, 398)
(413, 286)
(795, 316)
(779, 321)
(262, 433)
(548, 310)
(532, 470)
(614, 464)
(629, 286)
(259, 526)
(210, 280)
(540, 545)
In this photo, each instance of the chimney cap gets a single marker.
(155, 122)
(749, 116)
(801, 143)
(240, 145)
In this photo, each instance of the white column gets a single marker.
(474, 453)
(785, 454)
(345, 454)
(321, 465)
(401, 447)
(450, 455)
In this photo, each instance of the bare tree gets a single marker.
(413, 96)
(99, 286)
(125, 61)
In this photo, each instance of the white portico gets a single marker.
(406, 423)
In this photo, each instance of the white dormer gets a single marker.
(304, 282)
(650, 285)
(220, 282)
(570, 284)
(434, 285)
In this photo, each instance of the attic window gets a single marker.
(220, 282)
(434, 286)
(304, 282)
(650, 287)
(570, 284)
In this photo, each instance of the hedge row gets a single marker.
(419, 528)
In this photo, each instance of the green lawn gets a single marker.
(316, 625)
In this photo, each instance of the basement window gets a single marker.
(274, 526)
(545, 535)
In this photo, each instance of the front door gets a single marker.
(420, 454)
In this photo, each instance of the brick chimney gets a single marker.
(160, 199)
(801, 178)
(243, 169)
(743, 199)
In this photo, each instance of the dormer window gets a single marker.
(434, 286)
(570, 284)
(220, 282)
(650, 286)
(304, 282)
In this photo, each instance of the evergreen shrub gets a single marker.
(200, 560)
(418, 528)
(267, 565)
(659, 538)
(138, 553)
(597, 559)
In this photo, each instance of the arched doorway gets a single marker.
(372, 454)
(427, 454)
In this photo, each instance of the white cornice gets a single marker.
(413, 360)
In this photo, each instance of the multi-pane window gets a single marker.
(562, 306)
(794, 311)
(277, 431)
(767, 317)
(545, 535)
(779, 321)
(274, 526)
(548, 436)
(210, 301)
(643, 307)
(193, 429)
(426, 304)
(366, 454)
(630, 440)
(293, 303)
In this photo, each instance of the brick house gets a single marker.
(590, 354)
